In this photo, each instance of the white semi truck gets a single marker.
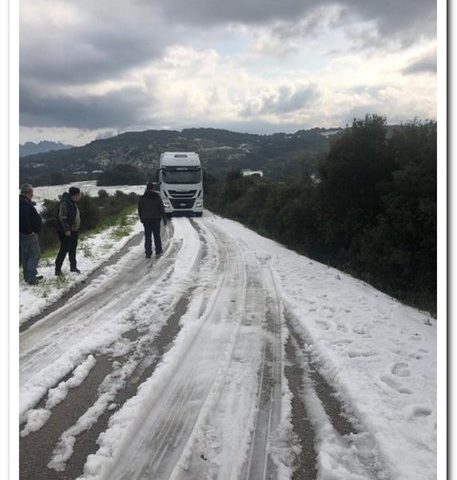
(181, 183)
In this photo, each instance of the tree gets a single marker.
(355, 166)
(400, 250)
(122, 174)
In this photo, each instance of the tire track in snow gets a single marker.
(34, 462)
(65, 298)
(92, 277)
(238, 432)
(77, 401)
(112, 294)
(305, 467)
(54, 337)
(36, 448)
(240, 417)
(160, 437)
(260, 464)
(63, 340)
(359, 443)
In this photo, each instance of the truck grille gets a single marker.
(182, 203)
(182, 193)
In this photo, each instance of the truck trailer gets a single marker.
(181, 183)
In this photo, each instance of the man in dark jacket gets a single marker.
(68, 224)
(151, 211)
(29, 226)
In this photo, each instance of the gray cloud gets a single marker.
(112, 38)
(423, 64)
(314, 21)
(405, 19)
(235, 11)
(359, 112)
(285, 100)
(119, 109)
(107, 134)
(87, 59)
(92, 51)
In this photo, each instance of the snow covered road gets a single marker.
(229, 357)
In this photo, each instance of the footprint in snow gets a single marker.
(355, 354)
(360, 329)
(341, 342)
(322, 324)
(327, 312)
(420, 412)
(401, 369)
(416, 357)
(390, 382)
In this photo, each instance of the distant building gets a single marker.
(315, 178)
(249, 173)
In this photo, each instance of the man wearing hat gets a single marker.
(68, 224)
(29, 226)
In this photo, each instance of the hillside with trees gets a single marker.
(220, 150)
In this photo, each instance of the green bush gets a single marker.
(123, 174)
(94, 212)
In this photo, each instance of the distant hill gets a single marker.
(277, 155)
(31, 148)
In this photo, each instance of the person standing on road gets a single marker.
(68, 223)
(30, 224)
(151, 210)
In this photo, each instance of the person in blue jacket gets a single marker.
(30, 224)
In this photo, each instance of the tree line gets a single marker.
(371, 212)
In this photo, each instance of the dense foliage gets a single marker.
(122, 174)
(94, 211)
(372, 213)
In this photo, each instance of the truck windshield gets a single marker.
(181, 176)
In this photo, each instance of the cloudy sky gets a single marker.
(90, 69)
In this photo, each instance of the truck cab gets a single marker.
(181, 183)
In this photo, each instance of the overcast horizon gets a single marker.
(91, 71)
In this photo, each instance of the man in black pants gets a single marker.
(68, 224)
(151, 211)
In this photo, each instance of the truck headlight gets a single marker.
(166, 204)
(198, 203)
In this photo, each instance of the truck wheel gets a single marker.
(198, 214)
